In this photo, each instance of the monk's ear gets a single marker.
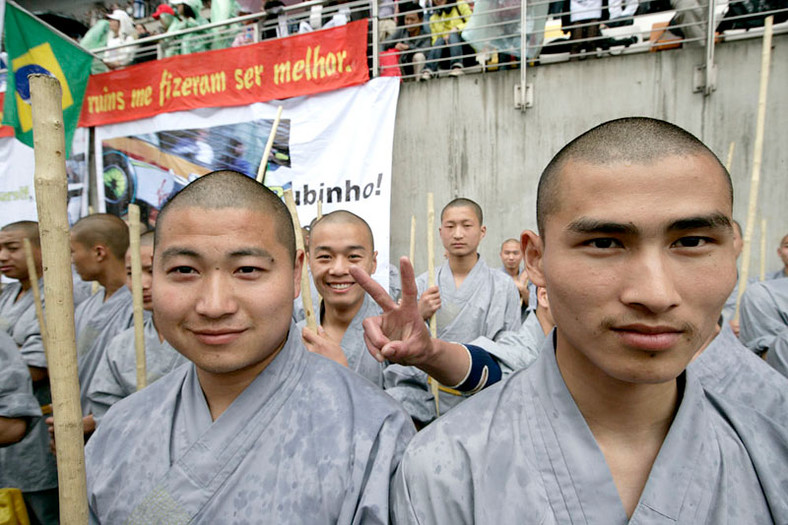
(532, 247)
(100, 252)
(299, 263)
(374, 262)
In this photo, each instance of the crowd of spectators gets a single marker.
(417, 40)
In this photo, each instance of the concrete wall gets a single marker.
(463, 137)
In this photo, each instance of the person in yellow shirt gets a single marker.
(446, 23)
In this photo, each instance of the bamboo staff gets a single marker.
(412, 239)
(136, 293)
(729, 162)
(51, 199)
(32, 275)
(434, 386)
(94, 287)
(756, 159)
(763, 249)
(306, 290)
(268, 145)
(319, 209)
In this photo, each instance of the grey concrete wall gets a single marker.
(463, 137)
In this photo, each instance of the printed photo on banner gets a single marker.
(334, 148)
(148, 169)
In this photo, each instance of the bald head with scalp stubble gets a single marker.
(632, 140)
(230, 189)
(343, 217)
(29, 230)
(105, 229)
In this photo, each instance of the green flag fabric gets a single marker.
(33, 47)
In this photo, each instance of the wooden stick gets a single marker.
(412, 239)
(268, 145)
(306, 290)
(729, 162)
(32, 274)
(136, 293)
(757, 157)
(434, 385)
(94, 286)
(763, 249)
(51, 199)
(319, 209)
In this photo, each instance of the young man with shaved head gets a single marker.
(116, 374)
(609, 425)
(782, 251)
(256, 429)
(98, 251)
(511, 264)
(27, 465)
(338, 241)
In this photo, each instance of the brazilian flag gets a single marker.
(33, 47)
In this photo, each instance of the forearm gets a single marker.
(448, 363)
(12, 430)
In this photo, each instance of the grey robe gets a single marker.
(358, 357)
(726, 367)
(521, 452)
(31, 466)
(116, 375)
(26, 465)
(18, 319)
(778, 358)
(487, 304)
(763, 314)
(97, 322)
(779, 274)
(517, 349)
(308, 442)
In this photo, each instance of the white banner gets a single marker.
(334, 147)
(17, 189)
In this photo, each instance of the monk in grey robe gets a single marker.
(17, 403)
(28, 465)
(763, 314)
(469, 300)
(116, 373)
(256, 429)
(778, 354)
(98, 250)
(337, 241)
(782, 251)
(610, 425)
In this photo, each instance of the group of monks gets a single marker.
(601, 383)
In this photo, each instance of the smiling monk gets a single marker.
(255, 429)
(635, 249)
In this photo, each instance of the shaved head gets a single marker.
(343, 217)
(465, 203)
(28, 228)
(232, 190)
(104, 229)
(633, 140)
(146, 239)
(510, 241)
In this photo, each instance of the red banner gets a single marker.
(270, 70)
(5, 131)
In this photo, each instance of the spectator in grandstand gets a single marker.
(121, 32)
(412, 39)
(246, 35)
(446, 23)
(165, 15)
(188, 17)
(582, 21)
(387, 19)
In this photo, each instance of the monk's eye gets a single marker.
(604, 243)
(692, 242)
(182, 270)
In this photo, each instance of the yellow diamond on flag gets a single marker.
(42, 57)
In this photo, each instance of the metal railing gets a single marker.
(498, 34)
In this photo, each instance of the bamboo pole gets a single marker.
(757, 157)
(51, 199)
(32, 274)
(319, 209)
(412, 239)
(268, 145)
(434, 386)
(136, 293)
(763, 249)
(729, 161)
(306, 290)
